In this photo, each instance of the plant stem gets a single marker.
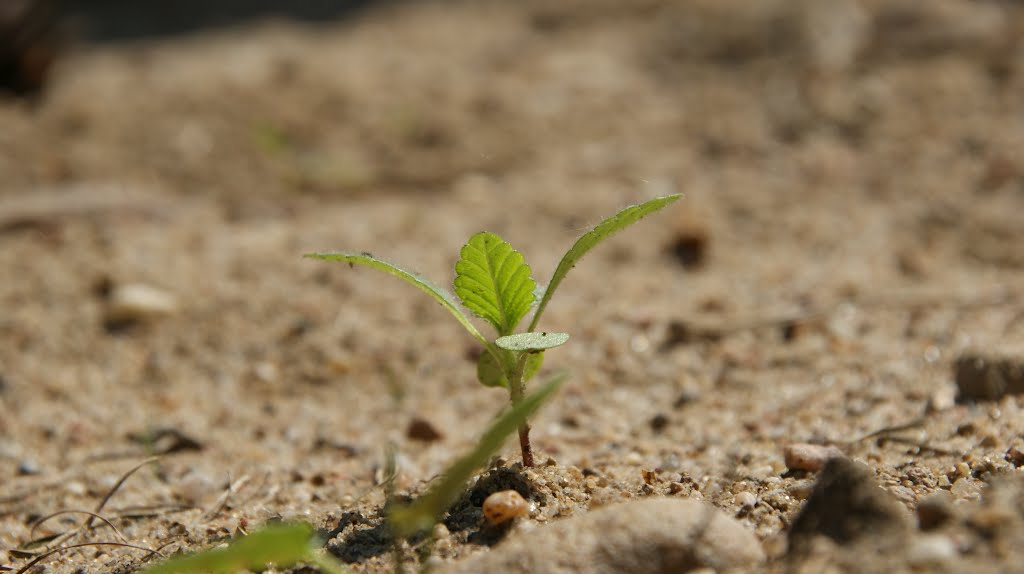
(516, 388)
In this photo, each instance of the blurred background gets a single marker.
(163, 165)
(343, 96)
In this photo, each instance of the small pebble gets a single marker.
(935, 510)
(965, 488)
(75, 488)
(962, 470)
(198, 488)
(931, 550)
(1015, 457)
(441, 531)
(904, 494)
(809, 457)
(505, 505)
(989, 440)
(801, 489)
(138, 302)
(691, 242)
(422, 430)
(658, 422)
(28, 467)
(942, 400)
(266, 372)
(745, 499)
(989, 375)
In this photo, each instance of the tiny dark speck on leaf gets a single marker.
(366, 254)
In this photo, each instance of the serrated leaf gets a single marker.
(490, 373)
(426, 510)
(531, 341)
(493, 281)
(443, 296)
(590, 239)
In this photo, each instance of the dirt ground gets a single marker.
(854, 182)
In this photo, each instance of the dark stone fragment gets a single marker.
(847, 506)
(690, 249)
(988, 377)
(1015, 457)
(658, 422)
(423, 430)
(935, 510)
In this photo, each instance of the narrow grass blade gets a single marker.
(493, 281)
(446, 299)
(590, 239)
(282, 545)
(426, 510)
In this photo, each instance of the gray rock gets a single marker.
(648, 536)
(848, 507)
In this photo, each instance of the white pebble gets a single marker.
(745, 499)
(931, 550)
(139, 302)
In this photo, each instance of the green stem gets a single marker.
(516, 389)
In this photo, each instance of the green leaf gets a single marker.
(446, 299)
(490, 373)
(426, 510)
(494, 282)
(281, 544)
(531, 341)
(590, 239)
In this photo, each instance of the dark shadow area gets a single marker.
(119, 20)
(369, 536)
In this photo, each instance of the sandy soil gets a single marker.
(854, 180)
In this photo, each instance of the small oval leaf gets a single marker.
(532, 341)
(489, 373)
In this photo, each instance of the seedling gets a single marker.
(286, 545)
(493, 281)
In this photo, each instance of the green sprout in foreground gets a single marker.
(493, 281)
(283, 545)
